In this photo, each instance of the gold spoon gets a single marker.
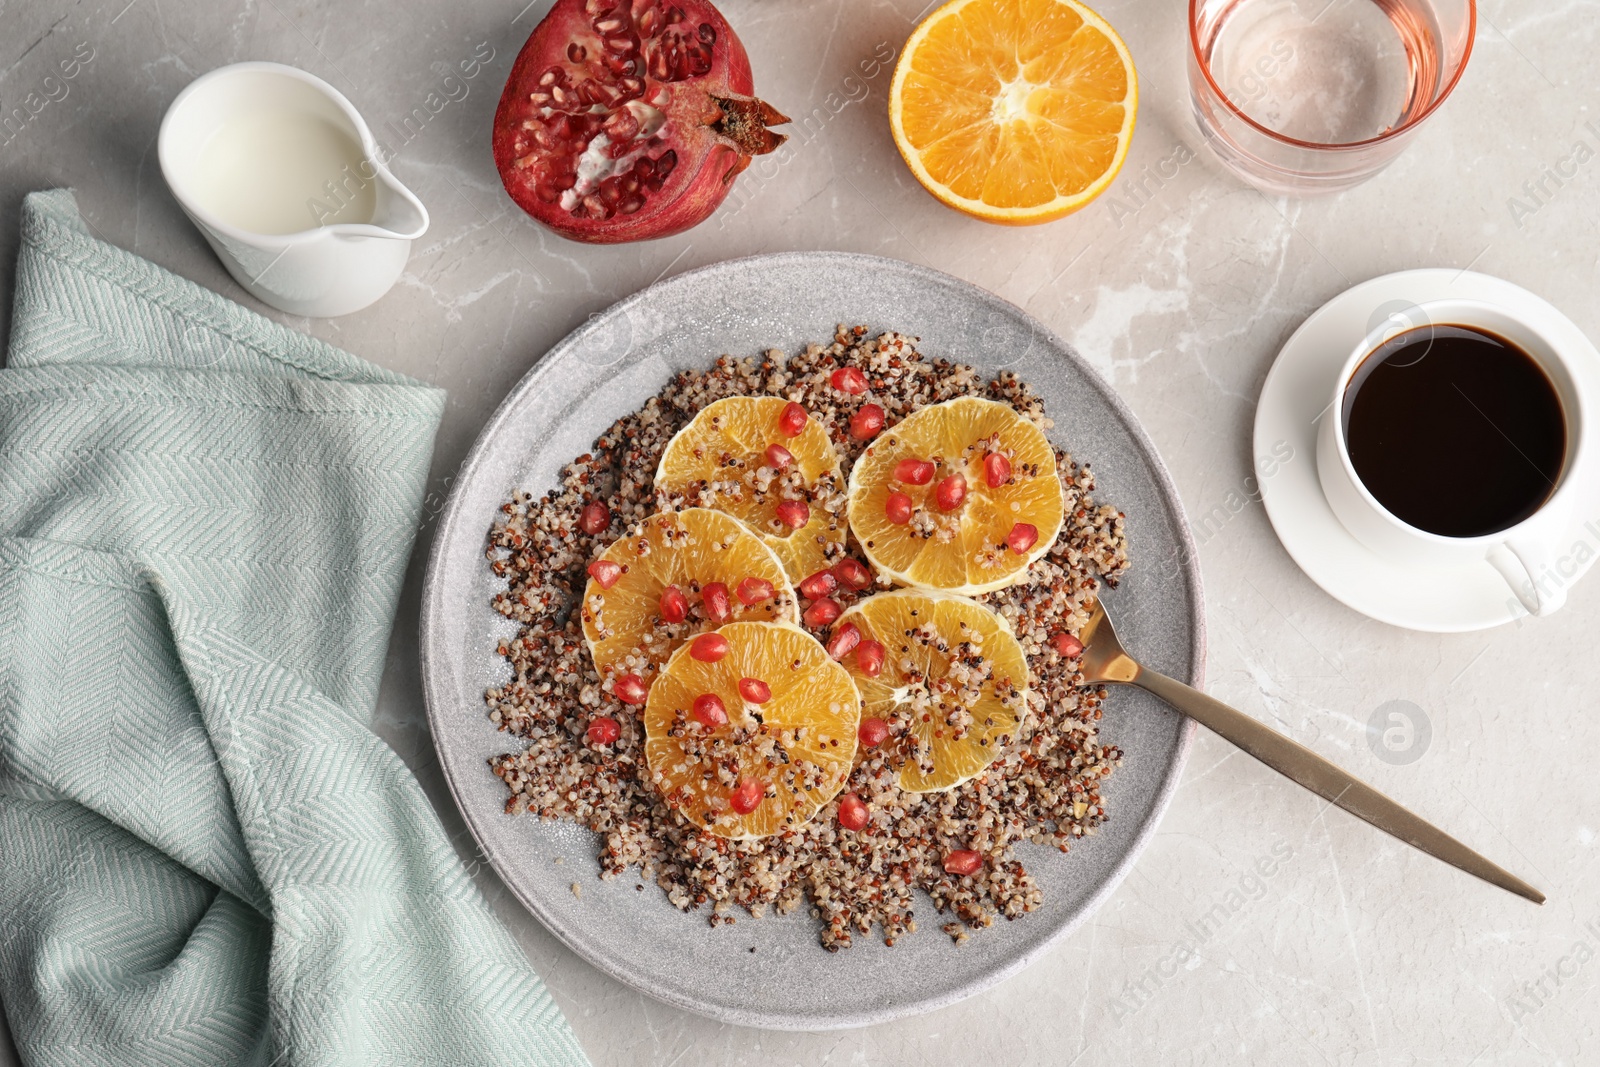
(1105, 661)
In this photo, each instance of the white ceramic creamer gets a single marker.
(286, 182)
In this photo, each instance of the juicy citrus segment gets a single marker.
(962, 549)
(1015, 111)
(720, 461)
(689, 549)
(796, 747)
(953, 685)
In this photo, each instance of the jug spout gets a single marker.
(397, 209)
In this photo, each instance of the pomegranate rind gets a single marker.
(706, 161)
(812, 716)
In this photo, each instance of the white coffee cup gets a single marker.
(1523, 553)
(340, 249)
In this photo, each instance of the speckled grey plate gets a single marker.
(610, 367)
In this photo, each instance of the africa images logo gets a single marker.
(1399, 732)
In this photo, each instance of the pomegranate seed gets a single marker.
(1022, 537)
(852, 812)
(793, 419)
(843, 640)
(897, 508)
(753, 591)
(869, 657)
(822, 613)
(873, 732)
(849, 380)
(755, 690)
(708, 648)
(604, 572)
(630, 689)
(794, 513)
(594, 518)
(715, 597)
(674, 605)
(996, 470)
(747, 795)
(951, 492)
(866, 422)
(709, 710)
(913, 471)
(819, 585)
(1067, 645)
(962, 861)
(603, 730)
(852, 574)
(779, 457)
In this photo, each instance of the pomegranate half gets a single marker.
(625, 120)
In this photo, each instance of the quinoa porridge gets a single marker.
(853, 874)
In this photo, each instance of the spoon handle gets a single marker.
(1300, 764)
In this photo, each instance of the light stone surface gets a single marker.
(1354, 949)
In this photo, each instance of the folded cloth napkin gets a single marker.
(206, 856)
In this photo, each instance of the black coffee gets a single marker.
(1455, 430)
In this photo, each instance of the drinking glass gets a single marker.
(1314, 96)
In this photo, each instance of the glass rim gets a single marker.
(1411, 123)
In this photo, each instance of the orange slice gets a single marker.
(1014, 111)
(989, 538)
(624, 624)
(720, 460)
(952, 685)
(767, 758)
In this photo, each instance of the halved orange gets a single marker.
(952, 685)
(689, 550)
(780, 751)
(987, 540)
(1014, 111)
(720, 460)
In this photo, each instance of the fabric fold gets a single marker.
(208, 856)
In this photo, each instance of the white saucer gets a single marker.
(1293, 400)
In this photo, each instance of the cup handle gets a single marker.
(1520, 561)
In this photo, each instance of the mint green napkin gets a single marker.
(206, 857)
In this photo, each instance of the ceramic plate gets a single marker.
(608, 368)
(1295, 397)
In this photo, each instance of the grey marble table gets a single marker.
(1259, 926)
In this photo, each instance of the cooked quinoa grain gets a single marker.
(1044, 788)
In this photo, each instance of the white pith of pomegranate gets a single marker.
(625, 120)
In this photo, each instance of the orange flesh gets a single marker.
(963, 550)
(811, 719)
(1014, 110)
